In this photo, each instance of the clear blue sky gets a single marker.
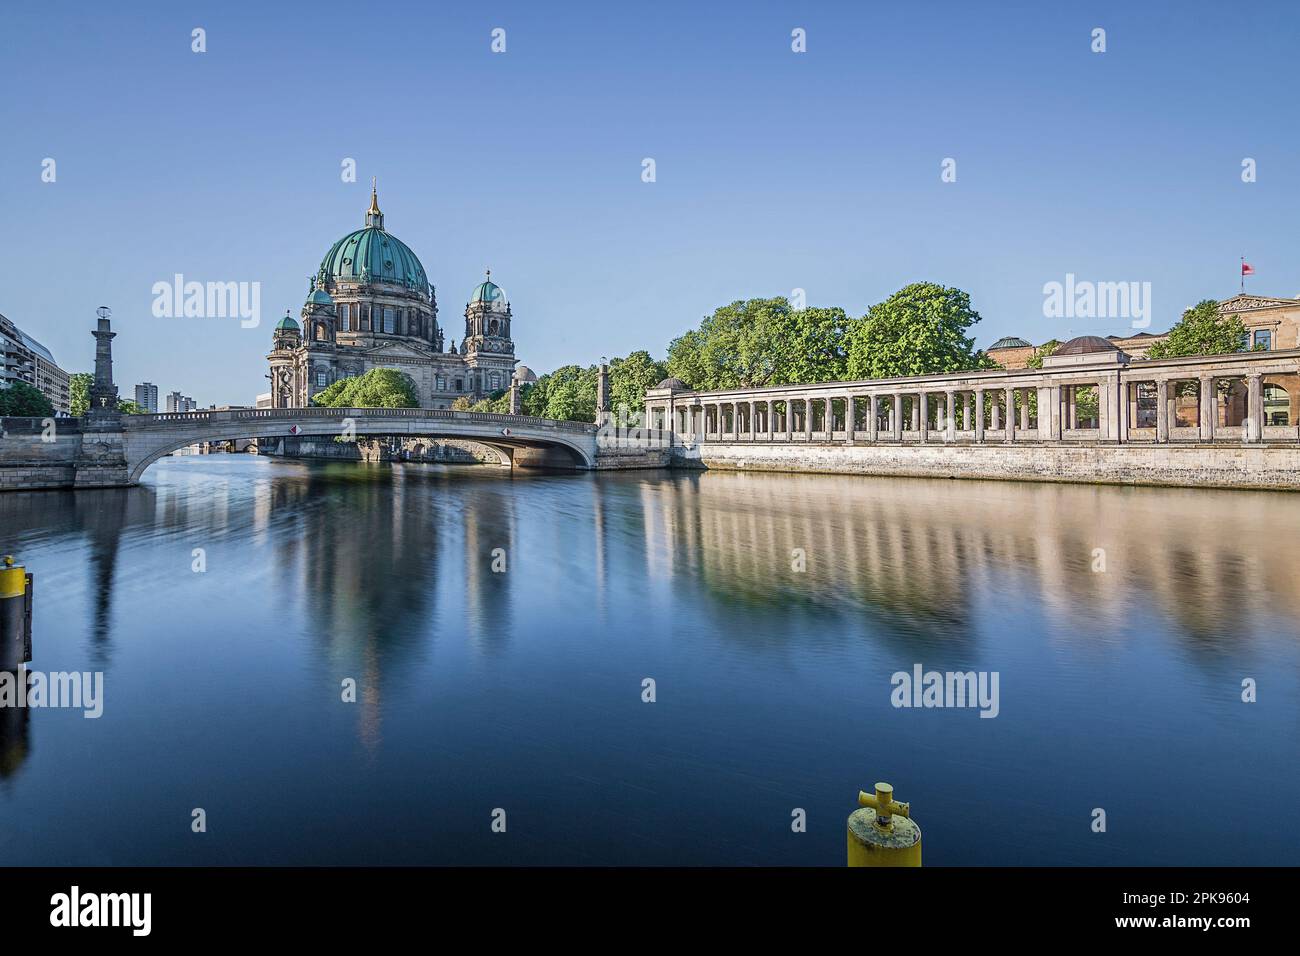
(775, 170)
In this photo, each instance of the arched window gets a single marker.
(494, 378)
(494, 327)
(1277, 405)
(321, 334)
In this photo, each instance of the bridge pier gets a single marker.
(101, 461)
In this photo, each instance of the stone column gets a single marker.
(896, 415)
(602, 395)
(1254, 407)
(1208, 408)
(916, 413)
(1162, 410)
(850, 418)
(995, 415)
(1119, 406)
(1044, 413)
(923, 404)
(767, 420)
(950, 399)
(979, 415)
(1024, 410)
(873, 419)
(788, 421)
(1010, 424)
(807, 419)
(102, 413)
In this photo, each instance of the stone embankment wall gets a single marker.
(1210, 465)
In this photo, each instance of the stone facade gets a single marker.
(371, 306)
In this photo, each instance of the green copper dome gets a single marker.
(320, 297)
(374, 255)
(287, 324)
(487, 291)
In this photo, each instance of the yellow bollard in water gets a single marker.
(881, 831)
(15, 615)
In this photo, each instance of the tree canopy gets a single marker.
(919, 330)
(377, 388)
(79, 384)
(20, 400)
(759, 342)
(1202, 331)
(79, 392)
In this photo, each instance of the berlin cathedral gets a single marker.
(371, 306)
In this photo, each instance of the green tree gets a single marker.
(571, 394)
(762, 342)
(630, 378)
(1202, 331)
(79, 392)
(919, 330)
(377, 388)
(79, 384)
(20, 400)
(1043, 351)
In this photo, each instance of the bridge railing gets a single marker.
(295, 414)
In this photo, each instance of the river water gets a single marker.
(229, 599)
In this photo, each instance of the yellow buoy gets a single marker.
(881, 831)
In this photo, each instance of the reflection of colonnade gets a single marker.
(932, 548)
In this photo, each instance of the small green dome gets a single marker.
(320, 297)
(287, 324)
(487, 291)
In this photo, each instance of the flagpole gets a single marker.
(1243, 274)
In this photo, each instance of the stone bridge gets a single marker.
(520, 440)
(91, 453)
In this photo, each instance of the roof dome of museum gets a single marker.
(674, 385)
(1011, 342)
(1086, 344)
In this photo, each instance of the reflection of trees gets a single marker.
(924, 552)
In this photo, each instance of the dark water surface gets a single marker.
(1119, 689)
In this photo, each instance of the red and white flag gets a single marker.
(1246, 268)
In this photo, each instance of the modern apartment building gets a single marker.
(146, 396)
(176, 402)
(23, 359)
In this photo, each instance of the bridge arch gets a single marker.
(528, 442)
